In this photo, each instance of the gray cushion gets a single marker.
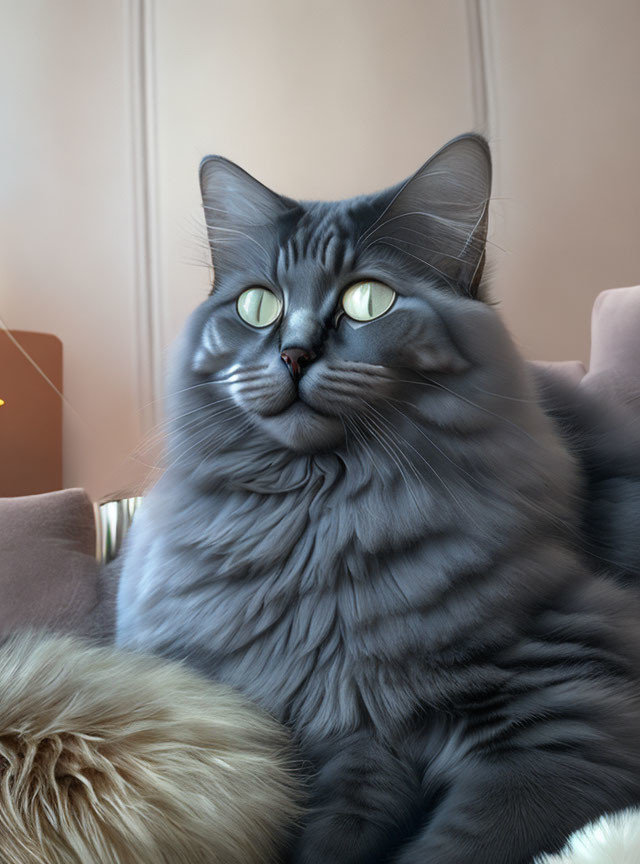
(49, 575)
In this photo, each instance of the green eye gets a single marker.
(258, 307)
(365, 301)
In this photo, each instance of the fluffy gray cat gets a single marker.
(369, 525)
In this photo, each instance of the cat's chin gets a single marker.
(302, 429)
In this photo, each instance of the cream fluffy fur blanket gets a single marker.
(611, 840)
(115, 758)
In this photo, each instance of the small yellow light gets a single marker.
(1, 402)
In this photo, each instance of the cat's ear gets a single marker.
(237, 208)
(439, 216)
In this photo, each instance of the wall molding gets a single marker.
(487, 25)
(478, 66)
(482, 34)
(141, 78)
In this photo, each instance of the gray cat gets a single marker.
(369, 525)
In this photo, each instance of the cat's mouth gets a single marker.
(302, 428)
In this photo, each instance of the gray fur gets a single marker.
(387, 556)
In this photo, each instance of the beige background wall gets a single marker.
(112, 105)
(564, 122)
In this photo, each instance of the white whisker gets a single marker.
(235, 231)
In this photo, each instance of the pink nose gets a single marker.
(296, 360)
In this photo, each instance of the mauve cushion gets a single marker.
(570, 371)
(614, 369)
(615, 331)
(49, 575)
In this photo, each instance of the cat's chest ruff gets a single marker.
(314, 534)
(312, 601)
(302, 658)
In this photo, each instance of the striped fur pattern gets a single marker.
(112, 758)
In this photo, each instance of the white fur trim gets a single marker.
(611, 840)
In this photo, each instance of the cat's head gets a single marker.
(322, 311)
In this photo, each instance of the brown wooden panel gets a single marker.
(31, 416)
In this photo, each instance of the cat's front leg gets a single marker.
(364, 801)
